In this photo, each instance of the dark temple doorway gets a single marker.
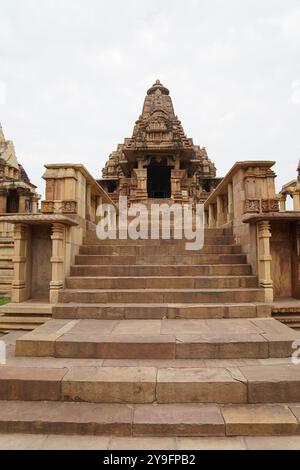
(12, 206)
(159, 182)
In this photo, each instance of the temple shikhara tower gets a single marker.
(159, 161)
(134, 337)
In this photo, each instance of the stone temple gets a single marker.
(140, 343)
(159, 161)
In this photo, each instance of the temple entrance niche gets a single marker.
(159, 179)
(12, 201)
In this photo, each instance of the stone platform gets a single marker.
(152, 345)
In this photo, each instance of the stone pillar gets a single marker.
(21, 285)
(57, 260)
(141, 190)
(206, 219)
(211, 216)
(88, 202)
(230, 213)
(296, 199)
(264, 259)
(3, 200)
(34, 203)
(22, 200)
(282, 202)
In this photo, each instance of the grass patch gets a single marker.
(4, 300)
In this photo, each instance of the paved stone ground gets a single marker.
(46, 442)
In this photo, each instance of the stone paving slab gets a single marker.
(273, 383)
(69, 418)
(160, 296)
(148, 420)
(31, 383)
(160, 339)
(119, 311)
(142, 382)
(175, 420)
(60, 442)
(249, 420)
(199, 385)
(111, 385)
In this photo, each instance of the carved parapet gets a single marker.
(69, 207)
(261, 205)
(252, 205)
(270, 205)
(59, 207)
(259, 171)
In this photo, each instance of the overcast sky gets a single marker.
(74, 73)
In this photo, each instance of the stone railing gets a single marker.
(46, 243)
(247, 191)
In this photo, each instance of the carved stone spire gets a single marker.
(158, 136)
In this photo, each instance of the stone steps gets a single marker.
(263, 384)
(31, 309)
(159, 311)
(179, 420)
(162, 270)
(182, 259)
(178, 282)
(145, 250)
(160, 339)
(151, 340)
(161, 295)
(24, 316)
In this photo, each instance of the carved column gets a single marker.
(57, 260)
(296, 199)
(176, 178)
(141, 190)
(264, 259)
(34, 203)
(206, 219)
(21, 285)
(220, 211)
(22, 200)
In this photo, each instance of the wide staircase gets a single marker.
(149, 339)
